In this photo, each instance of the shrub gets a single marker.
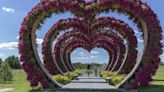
(104, 74)
(61, 79)
(71, 75)
(5, 72)
(115, 78)
(67, 77)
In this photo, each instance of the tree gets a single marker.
(0, 61)
(13, 62)
(161, 63)
(5, 72)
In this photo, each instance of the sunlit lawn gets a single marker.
(20, 84)
(158, 83)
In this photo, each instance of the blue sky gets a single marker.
(12, 13)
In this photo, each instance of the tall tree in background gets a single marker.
(5, 72)
(0, 61)
(13, 62)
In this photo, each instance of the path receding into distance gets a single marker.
(89, 84)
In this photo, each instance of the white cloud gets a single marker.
(136, 32)
(93, 57)
(9, 45)
(8, 10)
(39, 41)
(81, 53)
(17, 37)
(94, 52)
(74, 52)
(140, 40)
(81, 58)
(78, 58)
(162, 57)
(40, 55)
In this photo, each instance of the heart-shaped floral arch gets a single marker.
(142, 67)
(76, 38)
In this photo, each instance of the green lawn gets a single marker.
(158, 84)
(20, 84)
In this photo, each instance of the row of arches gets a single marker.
(88, 32)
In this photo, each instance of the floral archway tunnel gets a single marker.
(89, 31)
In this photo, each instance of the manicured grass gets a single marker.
(20, 84)
(158, 84)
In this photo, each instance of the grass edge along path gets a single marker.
(20, 84)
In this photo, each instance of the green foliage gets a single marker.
(20, 84)
(105, 74)
(5, 72)
(67, 77)
(61, 79)
(84, 66)
(35, 90)
(13, 62)
(115, 78)
(161, 63)
(0, 61)
(72, 75)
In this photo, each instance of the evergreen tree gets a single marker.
(13, 62)
(0, 61)
(5, 72)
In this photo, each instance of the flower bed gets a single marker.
(66, 78)
(111, 77)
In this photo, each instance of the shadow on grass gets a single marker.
(7, 82)
(152, 88)
(35, 90)
(158, 80)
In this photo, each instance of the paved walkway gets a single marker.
(88, 84)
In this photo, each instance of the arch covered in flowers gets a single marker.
(140, 13)
(68, 34)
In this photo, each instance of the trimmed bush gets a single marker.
(71, 75)
(66, 78)
(115, 78)
(61, 79)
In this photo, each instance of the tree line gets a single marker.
(12, 61)
(79, 65)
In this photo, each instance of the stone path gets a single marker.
(88, 84)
